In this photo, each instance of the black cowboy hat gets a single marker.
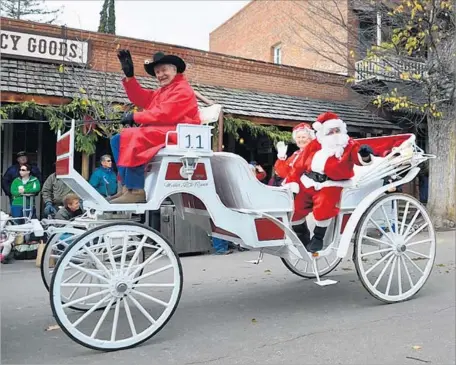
(160, 59)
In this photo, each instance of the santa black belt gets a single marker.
(315, 176)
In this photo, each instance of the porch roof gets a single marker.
(48, 80)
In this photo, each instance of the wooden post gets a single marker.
(220, 132)
(85, 166)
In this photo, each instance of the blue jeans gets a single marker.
(18, 212)
(131, 177)
(424, 188)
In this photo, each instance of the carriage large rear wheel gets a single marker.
(395, 248)
(139, 297)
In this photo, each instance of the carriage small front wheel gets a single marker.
(139, 296)
(395, 248)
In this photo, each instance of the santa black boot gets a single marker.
(303, 233)
(316, 243)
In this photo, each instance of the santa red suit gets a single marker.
(325, 166)
(302, 134)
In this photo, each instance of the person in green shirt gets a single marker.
(24, 187)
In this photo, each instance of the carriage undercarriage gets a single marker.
(116, 284)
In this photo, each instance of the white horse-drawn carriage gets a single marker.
(125, 279)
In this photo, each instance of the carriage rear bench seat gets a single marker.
(239, 189)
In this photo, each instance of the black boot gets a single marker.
(316, 243)
(303, 233)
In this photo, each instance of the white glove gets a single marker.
(294, 187)
(282, 150)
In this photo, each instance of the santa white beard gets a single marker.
(334, 144)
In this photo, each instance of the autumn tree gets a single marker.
(108, 17)
(410, 44)
(34, 10)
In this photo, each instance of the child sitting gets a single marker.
(71, 208)
(6, 244)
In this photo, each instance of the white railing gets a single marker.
(391, 70)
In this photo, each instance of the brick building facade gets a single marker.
(265, 29)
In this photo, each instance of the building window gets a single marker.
(277, 54)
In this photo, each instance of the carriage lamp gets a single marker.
(189, 162)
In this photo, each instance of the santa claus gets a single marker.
(323, 169)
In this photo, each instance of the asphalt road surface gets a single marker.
(233, 312)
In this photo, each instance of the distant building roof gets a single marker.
(49, 80)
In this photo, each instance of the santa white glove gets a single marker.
(281, 150)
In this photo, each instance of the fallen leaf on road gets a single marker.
(53, 328)
(441, 265)
(267, 271)
(416, 347)
(254, 320)
(346, 269)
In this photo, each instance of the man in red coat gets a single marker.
(324, 168)
(172, 103)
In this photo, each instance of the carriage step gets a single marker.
(326, 282)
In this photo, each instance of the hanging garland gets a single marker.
(88, 134)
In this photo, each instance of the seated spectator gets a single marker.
(53, 192)
(104, 179)
(275, 179)
(23, 189)
(71, 208)
(6, 244)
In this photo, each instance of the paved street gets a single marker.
(233, 312)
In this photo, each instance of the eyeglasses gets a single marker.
(107, 160)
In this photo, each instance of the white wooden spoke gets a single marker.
(419, 254)
(124, 252)
(129, 317)
(153, 285)
(87, 271)
(115, 320)
(91, 310)
(416, 266)
(111, 256)
(399, 276)
(77, 288)
(379, 262)
(382, 231)
(396, 216)
(383, 271)
(404, 218)
(88, 288)
(84, 285)
(142, 309)
(164, 268)
(412, 222)
(136, 254)
(376, 240)
(153, 299)
(376, 252)
(155, 256)
(102, 318)
(418, 242)
(416, 232)
(99, 264)
(82, 299)
(387, 219)
(388, 286)
(407, 272)
(71, 277)
(327, 262)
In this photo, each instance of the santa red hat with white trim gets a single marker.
(328, 120)
(303, 127)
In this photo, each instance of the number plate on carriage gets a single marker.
(196, 137)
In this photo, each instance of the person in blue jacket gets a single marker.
(104, 179)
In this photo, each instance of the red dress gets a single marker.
(164, 108)
(324, 203)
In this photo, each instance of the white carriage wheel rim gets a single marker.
(132, 341)
(432, 248)
(48, 252)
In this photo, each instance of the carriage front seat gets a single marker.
(238, 188)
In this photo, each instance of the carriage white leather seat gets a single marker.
(238, 188)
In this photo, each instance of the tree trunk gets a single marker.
(85, 166)
(442, 171)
